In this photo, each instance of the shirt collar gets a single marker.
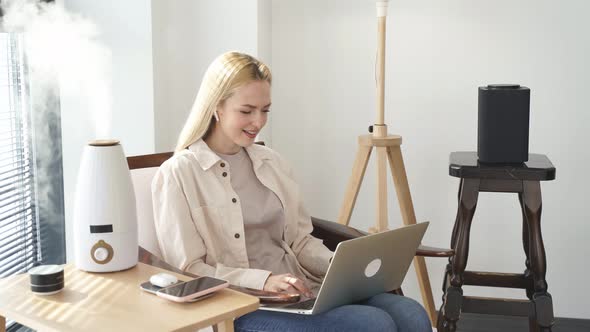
(207, 158)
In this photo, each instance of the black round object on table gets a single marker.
(46, 279)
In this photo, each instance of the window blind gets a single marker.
(19, 235)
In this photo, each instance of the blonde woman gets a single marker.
(228, 208)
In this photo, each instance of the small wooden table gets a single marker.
(523, 179)
(114, 302)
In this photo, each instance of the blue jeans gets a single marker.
(383, 312)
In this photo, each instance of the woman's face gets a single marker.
(243, 115)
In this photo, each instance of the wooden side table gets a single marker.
(114, 302)
(523, 179)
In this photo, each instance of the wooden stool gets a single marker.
(523, 179)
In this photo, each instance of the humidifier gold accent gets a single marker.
(102, 252)
(103, 142)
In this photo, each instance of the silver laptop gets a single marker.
(362, 268)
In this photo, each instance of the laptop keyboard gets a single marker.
(305, 305)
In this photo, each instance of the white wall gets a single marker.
(187, 36)
(126, 30)
(264, 53)
(438, 53)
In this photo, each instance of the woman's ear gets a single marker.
(216, 116)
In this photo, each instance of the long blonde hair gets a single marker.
(228, 72)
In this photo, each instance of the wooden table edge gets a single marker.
(224, 318)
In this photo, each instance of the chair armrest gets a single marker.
(427, 251)
(333, 233)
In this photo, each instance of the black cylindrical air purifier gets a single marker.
(503, 123)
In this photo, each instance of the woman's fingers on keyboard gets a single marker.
(300, 286)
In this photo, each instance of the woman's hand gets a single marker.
(286, 283)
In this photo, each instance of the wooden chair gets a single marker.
(144, 167)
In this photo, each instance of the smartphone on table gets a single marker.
(192, 290)
(151, 288)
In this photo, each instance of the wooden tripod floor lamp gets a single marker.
(388, 149)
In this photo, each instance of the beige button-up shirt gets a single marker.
(199, 223)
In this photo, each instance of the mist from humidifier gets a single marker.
(65, 58)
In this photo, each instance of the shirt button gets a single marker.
(222, 164)
(224, 174)
(237, 235)
(234, 200)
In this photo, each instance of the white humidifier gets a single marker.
(105, 220)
